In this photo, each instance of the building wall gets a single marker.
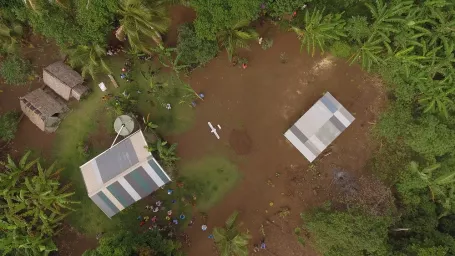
(36, 119)
(61, 89)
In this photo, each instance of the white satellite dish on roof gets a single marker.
(123, 125)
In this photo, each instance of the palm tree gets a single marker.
(141, 22)
(90, 58)
(149, 125)
(236, 37)
(229, 240)
(319, 30)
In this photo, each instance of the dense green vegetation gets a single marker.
(126, 243)
(32, 206)
(8, 125)
(410, 44)
(229, 240)
(15, 70)
(194, 50)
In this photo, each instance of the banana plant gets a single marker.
(318, 30)
(149, 125)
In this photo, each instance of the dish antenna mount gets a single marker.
(123, 125)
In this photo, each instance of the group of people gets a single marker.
(126, 71)
(111, 50)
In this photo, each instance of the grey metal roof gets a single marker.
(122, 175)
(319, 126)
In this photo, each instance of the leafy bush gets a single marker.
(77, 23)
(194, 50)
(278, 8)
(345, 233)
(8, 125)
(32, 206)
(341, 49)
(126, 243)
(216, 15)
(268, 43)
(15, 70)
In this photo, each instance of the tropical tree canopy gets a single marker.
(126, 243)
(89, 58)
(142, 23)
(32, 206)
(229, 240)
(214, 16)
(236, 37)
(318, 30)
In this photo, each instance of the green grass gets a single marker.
(85, 120)
(212, 177)
(175, 121)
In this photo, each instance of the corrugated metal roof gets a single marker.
(319, 126)
(123, 175)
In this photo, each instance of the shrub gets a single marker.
(282, 7)
(347, 233)
(268, 43)
(214, 16)
(8, 125)
(194, 50)
(15, 70)
(341, 50)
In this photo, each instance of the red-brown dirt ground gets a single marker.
(254, 107)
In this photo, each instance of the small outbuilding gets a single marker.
(64, 80)
(44, 108)
(319, 126)
(123, 174)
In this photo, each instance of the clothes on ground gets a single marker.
(211, 236)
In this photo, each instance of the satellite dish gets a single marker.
(124, 125)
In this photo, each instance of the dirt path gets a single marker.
(254, 108)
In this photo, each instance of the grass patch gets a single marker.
(174, 121)
(212, 178)
(87, 118)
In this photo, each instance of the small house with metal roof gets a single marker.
(123, 175)
(64, 80)
(319, 127)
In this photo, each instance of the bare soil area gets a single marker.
(254, 107)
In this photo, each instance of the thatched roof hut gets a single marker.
(63, 79)
(44, 109)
